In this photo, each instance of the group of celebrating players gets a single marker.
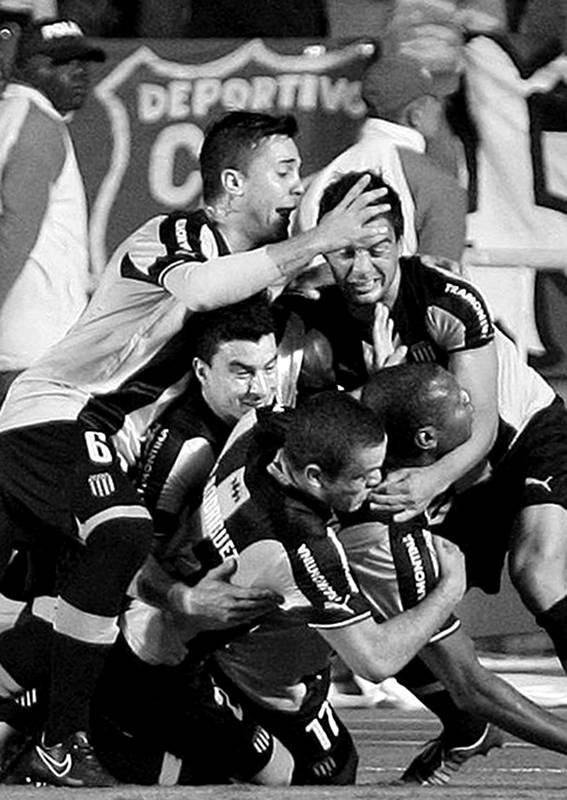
(218, 479)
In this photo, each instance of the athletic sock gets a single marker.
(75, 669)
(25, 652)
(554, 623)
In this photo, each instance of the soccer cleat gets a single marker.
(70, 763)
(438, 761)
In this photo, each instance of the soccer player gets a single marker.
(437, 316)
(72, 421)
(519, 421)
(269, 503)
(426, 414)
(234, 361)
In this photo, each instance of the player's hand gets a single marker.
(385, 350)
(406, 492)
(215, 603)
(353, 222)
(452, 572)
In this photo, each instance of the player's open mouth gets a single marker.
(365, 288)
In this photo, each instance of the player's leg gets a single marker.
(538, 569)
(171, 725)
(322, 747)
(397, 568)
(24, 672)
(82, 496)
(477, 689)
(538, 546)
(114, 533)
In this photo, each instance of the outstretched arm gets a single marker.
(377, 650)
(228, 279)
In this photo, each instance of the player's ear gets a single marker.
(426, 437)
(413, 114)
(313, 475)
(233, 182)
(200, 368)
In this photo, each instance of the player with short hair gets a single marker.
(72, 421)
(234, 362)
(520, 423)
(427, 414)
(269, 504)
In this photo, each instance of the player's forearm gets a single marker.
(453, 466)
(155, 586)
(396, 641)
(292, 255)
(223, 280)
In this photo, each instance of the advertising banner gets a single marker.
(139, 139)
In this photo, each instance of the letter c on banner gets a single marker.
(183, 136)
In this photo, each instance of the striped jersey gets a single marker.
(436, 313)
(282, 540)
(128, 355)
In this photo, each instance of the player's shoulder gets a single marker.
(192, 233)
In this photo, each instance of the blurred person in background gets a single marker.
(404, 108)
(44, 277)
(24, 11)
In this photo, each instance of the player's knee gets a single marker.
(279, 769)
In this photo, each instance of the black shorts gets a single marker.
(57, 482)
(321, 745)
(533, 472)
(172, 725)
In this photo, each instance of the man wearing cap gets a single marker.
(44, 276)
(404, 103)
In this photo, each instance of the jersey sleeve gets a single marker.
(190, 260)
(457, 316)
(396, 566)
(313, 579)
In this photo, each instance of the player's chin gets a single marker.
(350, 504)
(279, 228)
(368, 296)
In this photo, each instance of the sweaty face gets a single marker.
(349, 490)
(241, 376)
(272, 189)
(66, 84)
(366, 276)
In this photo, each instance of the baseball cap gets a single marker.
(61, 39)
(392, 82)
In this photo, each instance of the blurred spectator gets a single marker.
(44, 277)
(362, 19)
(100, 17)
(9, 32)
(233, 19)
(22, 11)
(405, 108)
(541, 21)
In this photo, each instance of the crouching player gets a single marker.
(269, 504)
